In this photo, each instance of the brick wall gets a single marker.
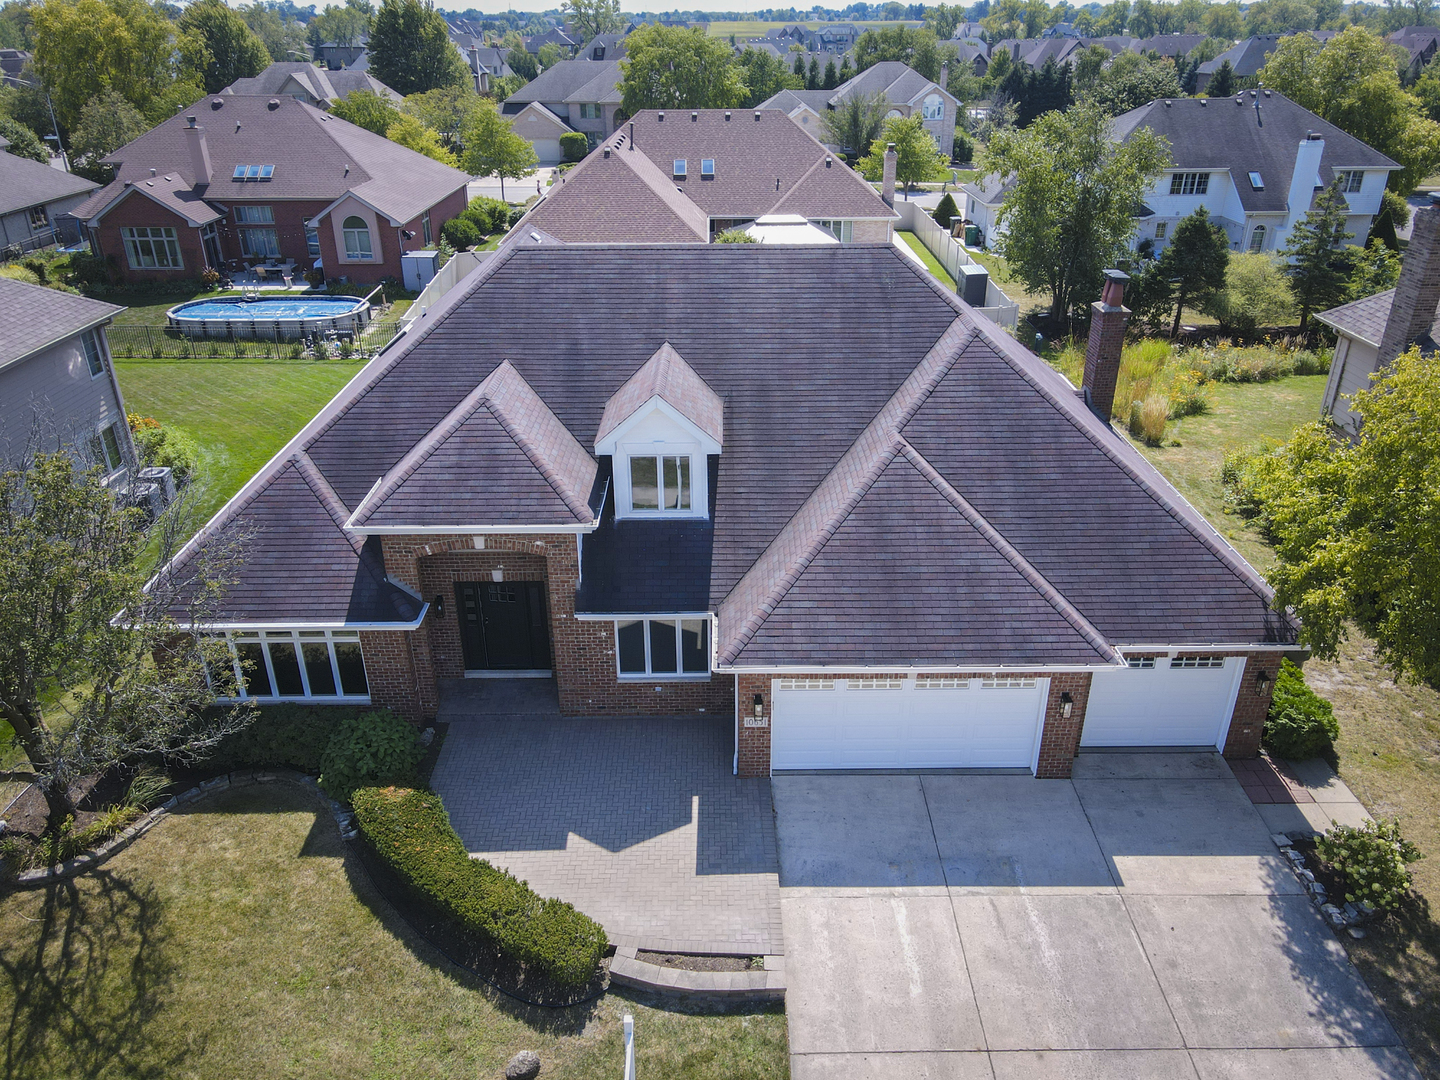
(390, 672)
(1060, 737)
(1246, 722)
(754, 742)
(135, 211)
(871, 232)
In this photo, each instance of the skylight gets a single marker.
(707, 168)
(253, 172)
(679, 168)
(1256, 182)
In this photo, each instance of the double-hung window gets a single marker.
(39, 219)
(660, 483)
(152, 248)
(94, 357)
(312, 242)
(1189, 183)
(357, 239)
(674, 648)
(1350, 181)
(297, 664)
(106, 448)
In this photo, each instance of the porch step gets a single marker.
(468, 699)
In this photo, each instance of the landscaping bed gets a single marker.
(696, 962)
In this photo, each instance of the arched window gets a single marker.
(893, 113)
(357, 239)
(1257, 238)
(934, 107)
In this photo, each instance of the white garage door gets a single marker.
(924, 723)
(548, 151)
(1184, 701)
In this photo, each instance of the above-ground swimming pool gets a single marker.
(278, 318)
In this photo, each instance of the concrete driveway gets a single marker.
(1134, 922)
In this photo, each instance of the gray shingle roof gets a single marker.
(32, 317)
(1216, 133)
(931, 453)
(1246, 57)
(668, 377)
(323, 84)
(897, 81)
(1365, 319)
(579, 81)
(25, 183)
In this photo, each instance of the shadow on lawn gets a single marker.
(1400, 960)
(83, 989)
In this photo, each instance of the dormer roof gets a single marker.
(666, 377)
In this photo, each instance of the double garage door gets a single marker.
(906, 723)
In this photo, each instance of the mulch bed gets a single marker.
(1325, 874)
(465, 949)
(92, 795)
(695, 962)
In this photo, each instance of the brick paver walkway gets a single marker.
(1268, 781)
(637, 822)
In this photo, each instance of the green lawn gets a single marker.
(1012, 286)
(931, 263)
(1389, 732)
(239, 413)
(239, 939)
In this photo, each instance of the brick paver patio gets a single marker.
(636, 821)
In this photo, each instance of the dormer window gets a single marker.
(659, 483)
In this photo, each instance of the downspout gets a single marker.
(735, 765)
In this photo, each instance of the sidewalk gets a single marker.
(1298, 796)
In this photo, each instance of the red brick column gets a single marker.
(1060, 738)
(390, 672)
(754, 741)
(1248, 719)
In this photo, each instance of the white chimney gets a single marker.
(199, 151)
(1303, 182)
(945, 75)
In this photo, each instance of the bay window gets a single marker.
(671, 648)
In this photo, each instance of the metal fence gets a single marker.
(164, 343)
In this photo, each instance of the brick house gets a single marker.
(573, 95)
(241, 180)
(682, 176)
(803, 487)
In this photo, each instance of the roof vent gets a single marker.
(1203, 102)
(607, 153)
(660, 118)
(777, 183)
(154, 172)
(727, 116)
(237, 125)
(757, 116)
(694, 116)
(1240, 100)
(1267, 93)
(273, 104)
(828, 159)
(1167, 103)
(216, 103)
(1314, 136)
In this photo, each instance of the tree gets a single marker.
(343, 24)
(812, 79)
(413, 135)
(107, 123)
(284, 39)
(410, 49)
(367, 109)
(177, 96)
(945, 211)
(443, 110)
(1222, 83)
(915, 46)
(1132, 80)
(1224, 21)
(550, 54)
(232, 51)
(846, 71)
(1194, 262)
(594, 17)
(523, 64)
(800, 67)
(493, 149)
(676, 67)
(23, 142)
(832, 77)
(917, 157)
(1356, 525)
(764, 75)
(1071, 212)
(1351, 81)
(1256, 294)
(855, 123)
(96, 672)
(1376, 269)
(84, 48)
(1319, 265)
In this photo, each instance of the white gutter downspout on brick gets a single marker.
(735, 766)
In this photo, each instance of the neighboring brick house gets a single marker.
(682, 176)
(240, 180)
(57, 380)
(905, 91)
(311, 84)
(574, 95)
(802, 487)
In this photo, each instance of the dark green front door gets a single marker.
(504, 625)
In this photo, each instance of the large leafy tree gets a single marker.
(107, 123)
(1071, 212)
(284, 39)
(413, 135)
(23, 142)
(344, 24)
(592, 17)
(915, 46)
(1319, 262)
(764, 75)
(232, 51)
(1222, 82)
(1193, 263)
(96, 671)
(1352, 82)
(917, 158)
(855, 123)
(410, 48)
(493, 149)
(1356, 525)
(443, 110)
(1132, 80)
(676, 67)
(367, 109)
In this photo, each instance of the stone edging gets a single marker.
(767, 985)
(344, 819)
(1350, 917)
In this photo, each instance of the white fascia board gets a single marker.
(1213, 645)
(901, 669)
(656, 403)
(329, 624)
(614, 615)
(466, 530)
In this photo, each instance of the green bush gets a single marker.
(735, 236)
(461, 233)
(963, 150)
(488, 215)
(1300, 724)
(410, 830)
(1373, 860)
(945, 211)
(1147, 419)
(1256, 293)
(368, 749)
(574, 145)
(282, 736)
(1188, 396)
(165, 446)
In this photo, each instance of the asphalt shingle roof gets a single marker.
(25, 183)
(1364, 318)
(580, 81)
(323, 84)
(32, 316)
(930, 456)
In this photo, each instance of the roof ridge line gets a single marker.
(803, 177)
(333, 504)
(1010, 552)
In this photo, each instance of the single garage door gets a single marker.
(1163, 701)
(906, 723)
(548, 151)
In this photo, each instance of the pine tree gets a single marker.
(846, 71)
(1319, 266)
(812, 80)
(800, 67)
(1222, 83)
(832, 78)
(1194, 261)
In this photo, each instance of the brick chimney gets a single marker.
(945, 75)
(1102, 351)
(1418, 291)
(199, 152)
(887, 182)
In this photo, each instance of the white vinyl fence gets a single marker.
(449, 275)
(951, 254)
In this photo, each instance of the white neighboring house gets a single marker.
(905, 90)
(1254, 161)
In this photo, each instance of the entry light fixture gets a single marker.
(759, 705)
(1262, 682)
(438, 605)
(498, 574)
(1067, 704)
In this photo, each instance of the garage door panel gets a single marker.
(1161, 705)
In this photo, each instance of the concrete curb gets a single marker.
(89, 860)
(767, 985)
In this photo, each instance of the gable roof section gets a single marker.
(667, 376)
(1365, 319)
(324, 85)
(169, 190)
(620, 199)
(1216, 133)
(25, 183)
(500, 458)
(545, 114)
(33, 317)
(580, 81)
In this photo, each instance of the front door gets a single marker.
(504, 625)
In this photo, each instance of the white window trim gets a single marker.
(667, 676)
(357, 255)
(261, 636)
(623, 505)
(169, 236)
(93, 337)
(113, 426)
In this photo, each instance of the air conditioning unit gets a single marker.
(163, 478)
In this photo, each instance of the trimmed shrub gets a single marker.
(945, 211)
(165, 446)
(488, 215)
(282, 736)
(574, 145)
(963, 149)
(368, 749)
(1373, 860)
(1300, 724)
(461, 233)
(410, 830)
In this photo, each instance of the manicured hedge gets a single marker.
(574, 145)
(283, 736)
(410, 830)
(1301, 724)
